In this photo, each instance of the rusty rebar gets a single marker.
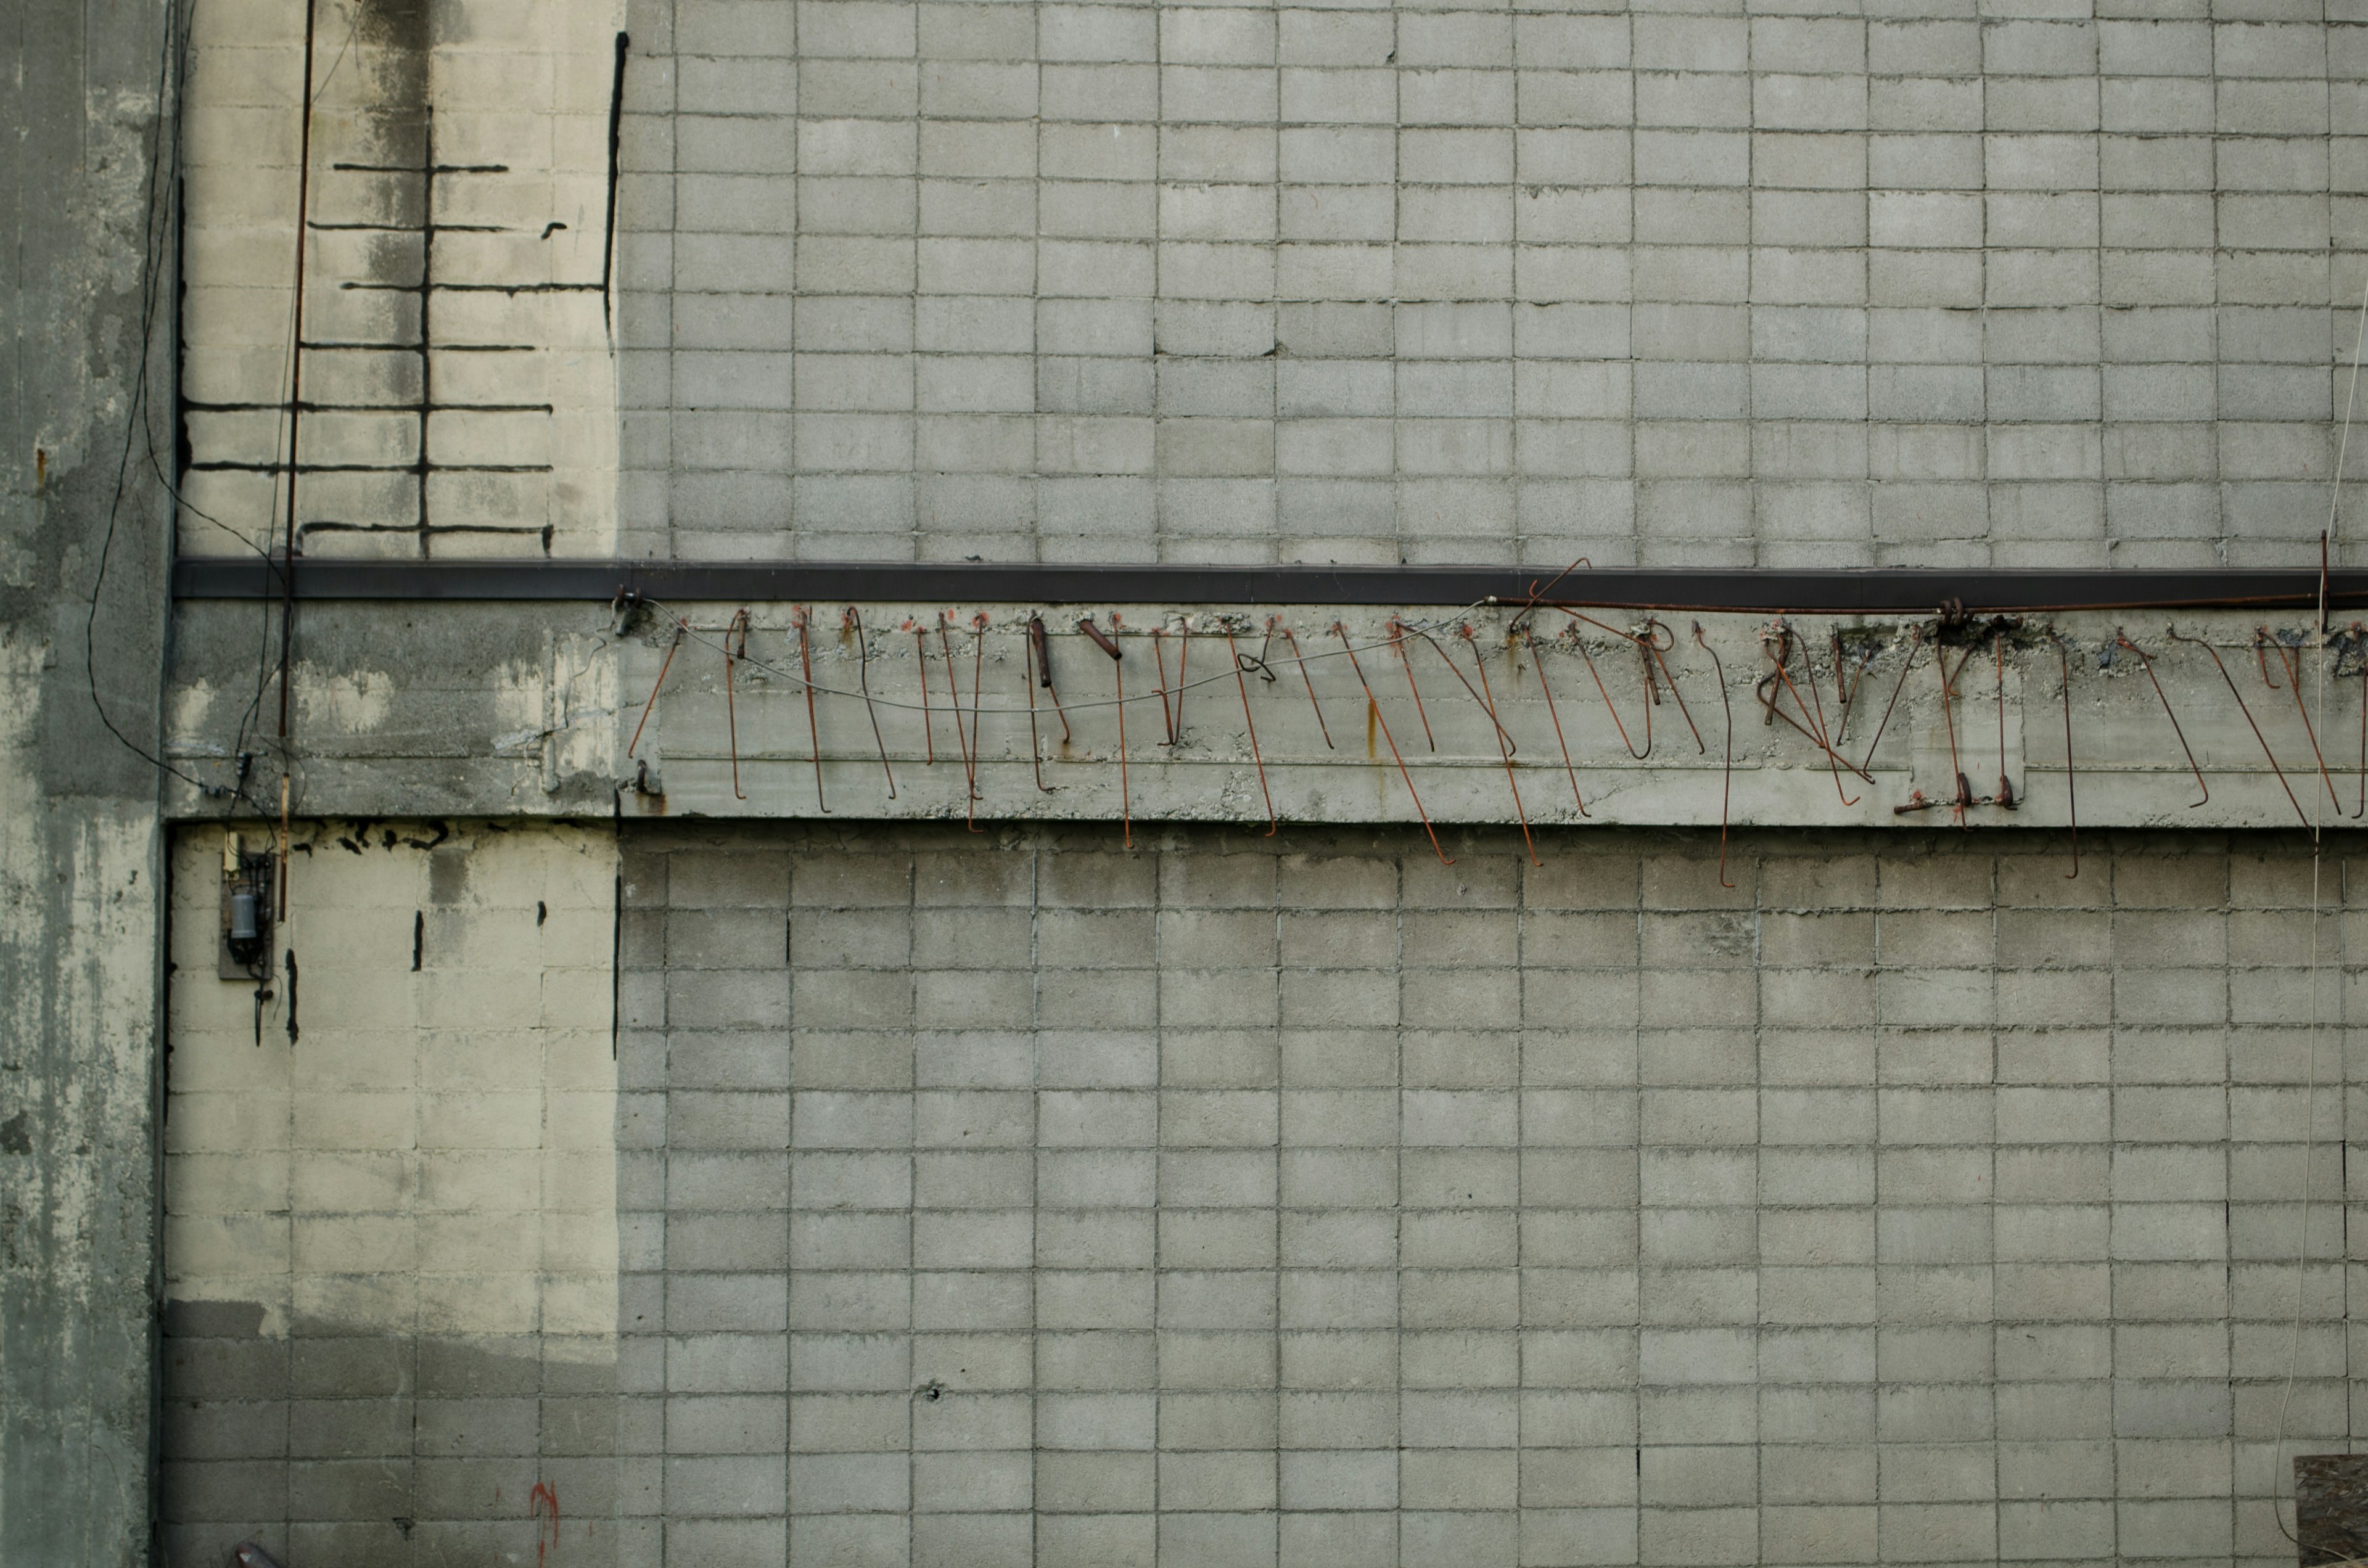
(1397, 644)
(961, 738)
(1504, 736)
(1159, 652)
(1660, 652)
(1183, 664)
(2291, 659)
(1764, 691)
(1915, 641)
(1846, 690)
(1272, 822)
(814, 730)
(1373, 708)
(739, 622)
(2359, 641)
(1781, 632)
(921, 658)
(1300, 660)
(2147, 664)
(1579, 640)
(1118, 670)
(2275, 766)
(1537, 661)
(1833, 758)
(977, 678)
(2004, 800)
(1489, 702)
(853, 619)
(1520, 622)
(682, 626)
(1042, 646)
(2071, 785)
(1027, 685)
(1949, 721)
(1727, 786)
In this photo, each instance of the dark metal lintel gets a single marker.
(1912, 591)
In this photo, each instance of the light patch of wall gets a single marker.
(347, 701)
(425, 1150)
(500, 437)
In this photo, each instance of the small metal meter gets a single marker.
(248, 912)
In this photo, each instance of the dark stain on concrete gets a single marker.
(2331, 1507)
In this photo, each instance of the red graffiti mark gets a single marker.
(543, 1503)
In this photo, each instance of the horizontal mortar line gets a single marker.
(1911, 591)
(413, 228)
(307, 407)
(438, 347)
(475, 288)
(333, 525)
(417, 169)
(224, 465)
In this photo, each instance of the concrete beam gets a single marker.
(535, 708)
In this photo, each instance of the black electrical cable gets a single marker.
(162, 205)
(151, 274)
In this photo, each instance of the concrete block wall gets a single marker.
(1810, 283)
(390, 1258)
(1225, 1204)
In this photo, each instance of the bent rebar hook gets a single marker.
(2275, 766)
(1727, 786)
(2146, 664)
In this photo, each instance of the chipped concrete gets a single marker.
(80, 867)
(535, 709)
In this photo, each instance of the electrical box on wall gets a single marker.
(248, 912)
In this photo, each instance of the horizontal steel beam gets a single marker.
(1909, 591)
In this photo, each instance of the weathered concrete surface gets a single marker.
(392, 1197)
(491, 708)
(1009, 1200)
(79, 862)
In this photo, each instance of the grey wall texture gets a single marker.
(1221, 1204)
(1916, 281)
(85, 268)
